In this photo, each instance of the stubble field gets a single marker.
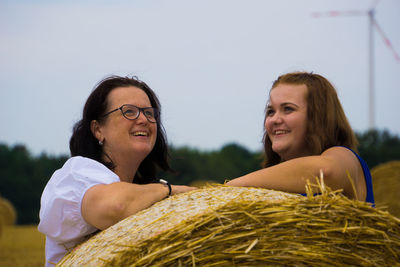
(21, 245)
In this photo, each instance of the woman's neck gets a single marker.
(125, 171)
(125, 168)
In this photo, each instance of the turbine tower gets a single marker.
(371, 62)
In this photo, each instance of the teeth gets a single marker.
(140, 134)
(280, 132)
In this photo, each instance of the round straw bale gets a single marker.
(1, 225)
(7, 212)
(386, 183)
(236, 226)
(202, 183)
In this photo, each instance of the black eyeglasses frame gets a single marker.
(142, 110)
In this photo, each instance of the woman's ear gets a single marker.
(96, 130)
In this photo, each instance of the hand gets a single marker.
(236, 182)
(177, 189)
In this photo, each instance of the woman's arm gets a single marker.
(336, 163)
(106, 204)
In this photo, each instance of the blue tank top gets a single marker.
(368, 179)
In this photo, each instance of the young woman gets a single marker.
(115, 150)
(306, 133)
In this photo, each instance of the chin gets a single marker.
(278, 149)
(145, 150)
(142, 148)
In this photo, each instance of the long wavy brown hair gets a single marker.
(327, 125)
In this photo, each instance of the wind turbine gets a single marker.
(372, 24)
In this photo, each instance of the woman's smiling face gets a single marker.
(286, 120)
(123, 137)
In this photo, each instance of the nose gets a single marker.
(271, 121)
(142, 118)
(276, 118)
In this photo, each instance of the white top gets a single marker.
(60, 206)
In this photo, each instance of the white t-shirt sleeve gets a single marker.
(60, 211)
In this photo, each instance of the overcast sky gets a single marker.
(211, 62)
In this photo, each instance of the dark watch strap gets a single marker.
(164, 182)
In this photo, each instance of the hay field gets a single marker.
(22, 246)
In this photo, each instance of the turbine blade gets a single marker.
(335, 13)
(386, 40)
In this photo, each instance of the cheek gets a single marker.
(154, 130)
(303, 125)
(267, 124)
(304, 121)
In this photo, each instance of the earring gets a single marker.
(100, 143)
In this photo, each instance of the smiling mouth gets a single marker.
(139, 133)
(279, 132)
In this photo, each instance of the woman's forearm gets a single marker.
(289, 176)
(105, 205)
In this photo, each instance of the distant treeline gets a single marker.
(23, 176)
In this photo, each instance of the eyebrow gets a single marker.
(284, 104)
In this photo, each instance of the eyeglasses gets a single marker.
(132, 112)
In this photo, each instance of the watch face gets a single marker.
(163, 181)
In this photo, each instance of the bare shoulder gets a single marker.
(343, 159)
(340, 153)
(346, 164)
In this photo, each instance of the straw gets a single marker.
(237, 226)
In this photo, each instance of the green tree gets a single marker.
(22, 179)
(378, 147)
(231, 161)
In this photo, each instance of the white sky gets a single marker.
(211, 62)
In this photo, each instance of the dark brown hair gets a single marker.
(83, 143)
(327, 125)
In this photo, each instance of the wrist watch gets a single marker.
(164, 182)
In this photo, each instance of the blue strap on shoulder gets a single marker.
(368, 179)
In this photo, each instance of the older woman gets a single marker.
(306, 133)
(115, 150)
